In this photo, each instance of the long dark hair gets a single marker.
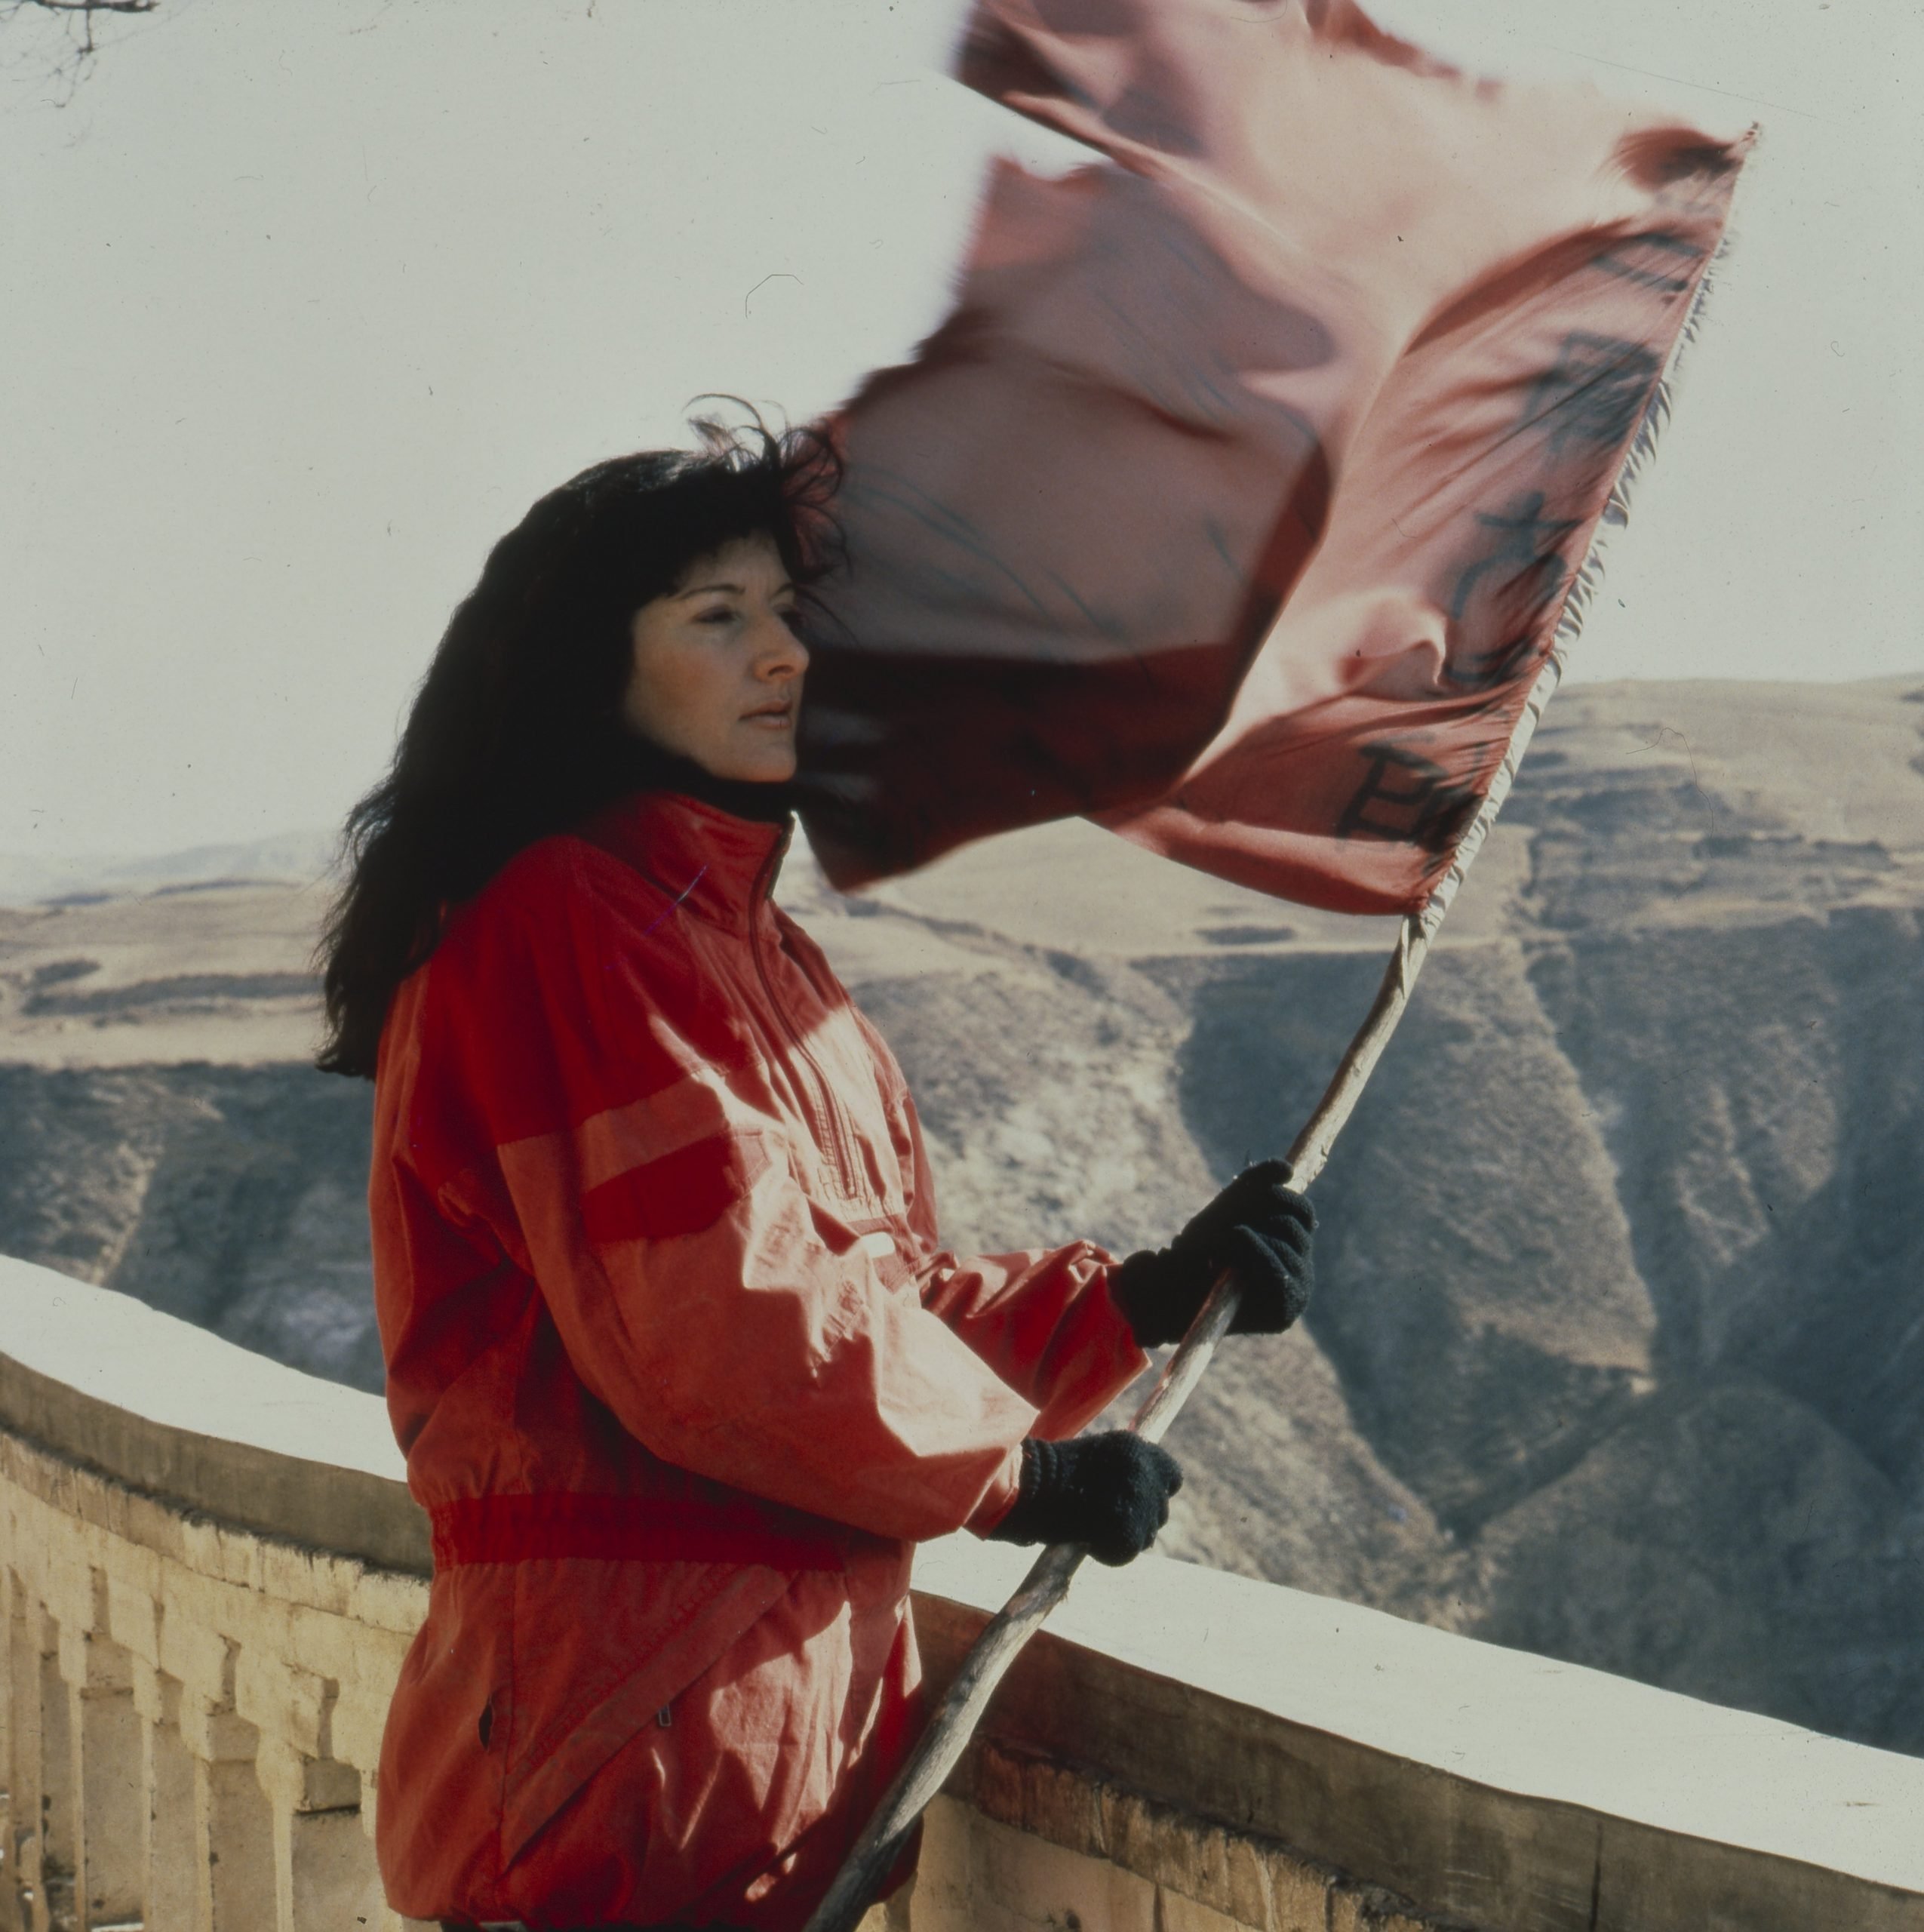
(516, 731)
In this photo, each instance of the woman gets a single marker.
(679, 1369)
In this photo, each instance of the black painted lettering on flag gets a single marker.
(1508, 590)
(1407, 798)
(1596, 392)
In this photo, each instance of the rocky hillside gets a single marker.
(1618, 1352)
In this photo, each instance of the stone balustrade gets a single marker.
(210, 1571)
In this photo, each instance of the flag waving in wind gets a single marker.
(1238, 499)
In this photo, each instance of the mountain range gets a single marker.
(1617, 1352)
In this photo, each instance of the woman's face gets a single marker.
(717, 667)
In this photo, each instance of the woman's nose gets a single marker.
(783, 654)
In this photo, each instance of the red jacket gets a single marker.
(681, 1373)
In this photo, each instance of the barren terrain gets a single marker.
(1618, 1349)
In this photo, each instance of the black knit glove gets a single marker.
(1109, 1491)
(1258, 1225)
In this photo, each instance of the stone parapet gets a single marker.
(210, 1569)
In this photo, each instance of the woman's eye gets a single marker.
(720, 615)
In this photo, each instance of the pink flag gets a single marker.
(1238, 499)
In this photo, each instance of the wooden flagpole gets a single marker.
(1048, 1581)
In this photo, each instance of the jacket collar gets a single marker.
(719, 867)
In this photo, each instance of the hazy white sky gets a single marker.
(301, 302)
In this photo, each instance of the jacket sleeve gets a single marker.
(1042, 1319)
(581, 1106)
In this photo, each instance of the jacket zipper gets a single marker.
(817, 1096)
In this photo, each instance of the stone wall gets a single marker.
(195, 1715)
(210, 1571)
